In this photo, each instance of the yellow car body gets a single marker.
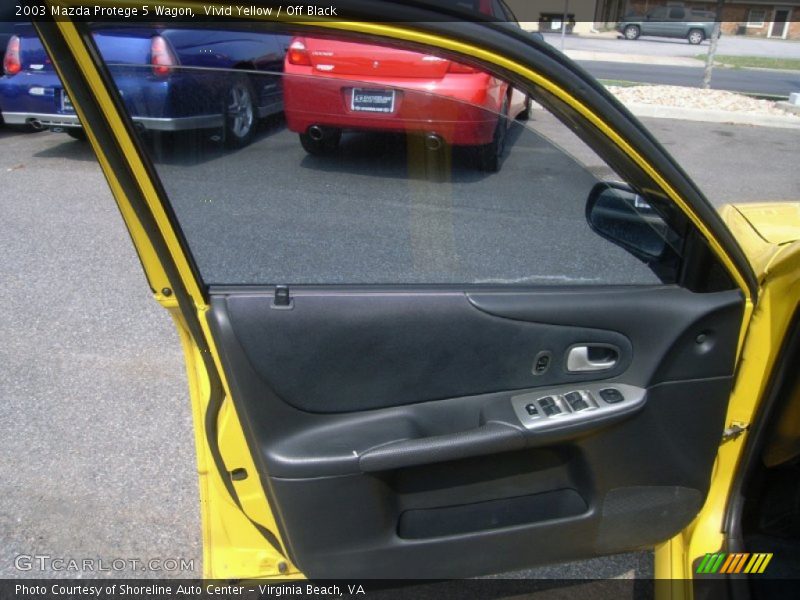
(233, 525)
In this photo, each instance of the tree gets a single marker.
(712, 49)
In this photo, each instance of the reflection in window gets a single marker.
(355, 163)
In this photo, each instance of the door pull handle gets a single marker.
(591, 357)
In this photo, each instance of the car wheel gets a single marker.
(326, 142)
(491, 153)
(76, 133)
(632, 32)
(696, 36)
(240, 113)
(526, 112)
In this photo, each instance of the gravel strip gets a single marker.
(685, 97)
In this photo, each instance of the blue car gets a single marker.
(169, 79)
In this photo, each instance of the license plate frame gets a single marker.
(373, 101)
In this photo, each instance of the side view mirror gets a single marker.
(619, 214)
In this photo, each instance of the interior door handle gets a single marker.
(591, 357)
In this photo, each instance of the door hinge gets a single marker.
(734, 430)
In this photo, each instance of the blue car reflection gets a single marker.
(169, 79)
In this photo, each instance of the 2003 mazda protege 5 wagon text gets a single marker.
(402, 366)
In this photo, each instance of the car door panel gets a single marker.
(383, 422)
(379, 466)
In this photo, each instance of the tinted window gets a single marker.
(378, 170)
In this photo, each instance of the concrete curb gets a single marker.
(655, 111)
(640, 59)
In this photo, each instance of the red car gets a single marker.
(331, 86)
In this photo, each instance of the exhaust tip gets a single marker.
(316, 133)
(36, 124)
(433, 142)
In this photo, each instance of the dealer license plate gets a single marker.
(375, 101)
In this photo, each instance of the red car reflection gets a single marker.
(331, 86)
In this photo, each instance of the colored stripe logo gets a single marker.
(745, 563)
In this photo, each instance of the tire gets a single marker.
(489, 157)
(526, 112)
(240, 113)
(696, 36)
(327, 145)
(76, 133)
(632, 32)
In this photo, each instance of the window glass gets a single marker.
(330, 161)
(756, 17)
(502, 11)
(676, 13)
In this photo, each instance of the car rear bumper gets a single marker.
(461, 117)
(55, 121)
(37, 97)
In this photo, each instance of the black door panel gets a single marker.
(372, 350)
(386, 436)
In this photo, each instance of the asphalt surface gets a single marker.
(752, 81)
(96, 446)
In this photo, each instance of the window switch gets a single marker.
(547, 401)
(552, 409)
(576, 401)
(612, 395)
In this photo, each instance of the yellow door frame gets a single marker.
(233, 545)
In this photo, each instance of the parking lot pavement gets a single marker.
(651, 46)
(96, 446)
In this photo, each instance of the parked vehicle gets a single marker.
(332, 86)
(158, 72)
(6, 31)
(670, 21)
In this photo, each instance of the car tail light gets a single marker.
(12, 63)
(298, 54)
(161, 56)
(456, 67)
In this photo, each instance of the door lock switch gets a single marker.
(611, 395)
(541, 363)
(532, 410)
